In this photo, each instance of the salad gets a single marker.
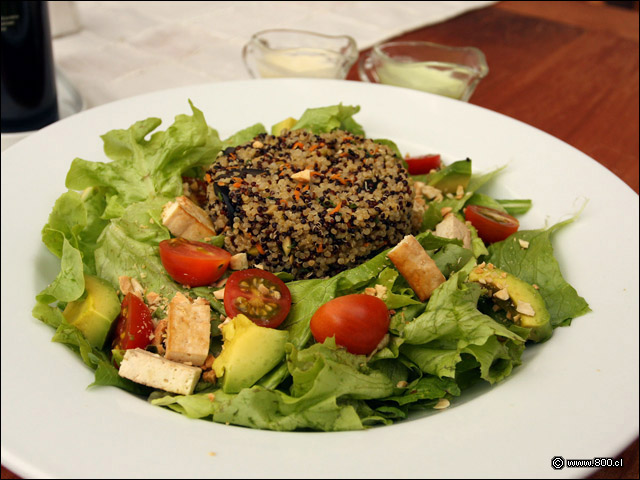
(411, 328)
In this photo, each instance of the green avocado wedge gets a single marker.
(94, 312)
(287, 123)
(249, 352)
(522, 302)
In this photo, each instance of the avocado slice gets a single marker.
(523, 302)
(94, 312)
(448, 178)
(248, 353)
(286, 123)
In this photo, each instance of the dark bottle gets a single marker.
(28, 76)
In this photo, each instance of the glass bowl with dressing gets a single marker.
(297, 53)
(449, 71)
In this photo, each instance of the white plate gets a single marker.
(575, 396)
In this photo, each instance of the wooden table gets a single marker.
(567, 68)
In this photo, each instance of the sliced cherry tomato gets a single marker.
(259, 295)
(358, 322)
(193, 263)
(423, 164)
(134, 327)
(492, 225)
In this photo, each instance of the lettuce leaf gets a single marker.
(537, 265)
(452, 326)
(69, 284)
(327, 384)
(129, 246)
(326, 119)
(142, 168)
(243, 136)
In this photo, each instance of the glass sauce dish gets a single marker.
(298, 53)
(449, 71)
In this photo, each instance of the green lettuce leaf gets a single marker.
(69, 284)
(429, 388)
(105, 372)
(243, 136)
(512, 207)
(326, 119)
(142, 168)
(537, 265)
(327, 384)
(129, 246)
(452, 325)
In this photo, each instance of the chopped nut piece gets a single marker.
(130, 285)
(452, 227)
(226, 321)
(432, 193)
(442, 404)
(459, 192)
(401, 384)
(502, 294)
(304, 176)
(208, 375)
(523, 243)
(525, 309)
(219, 294)
(445, 210)
(239, 261)
(153, 298)
(257, 144)
(377, 290)
(381, 291)
(160, 336)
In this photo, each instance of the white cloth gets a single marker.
(128, 48)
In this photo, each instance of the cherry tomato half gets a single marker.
(193, 263)
(492, 225)
(259, 295)
(134, 326)
(423, 164)
(358, 322)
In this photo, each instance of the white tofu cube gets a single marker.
(188, 330)
(155, 371)
(185, 219)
